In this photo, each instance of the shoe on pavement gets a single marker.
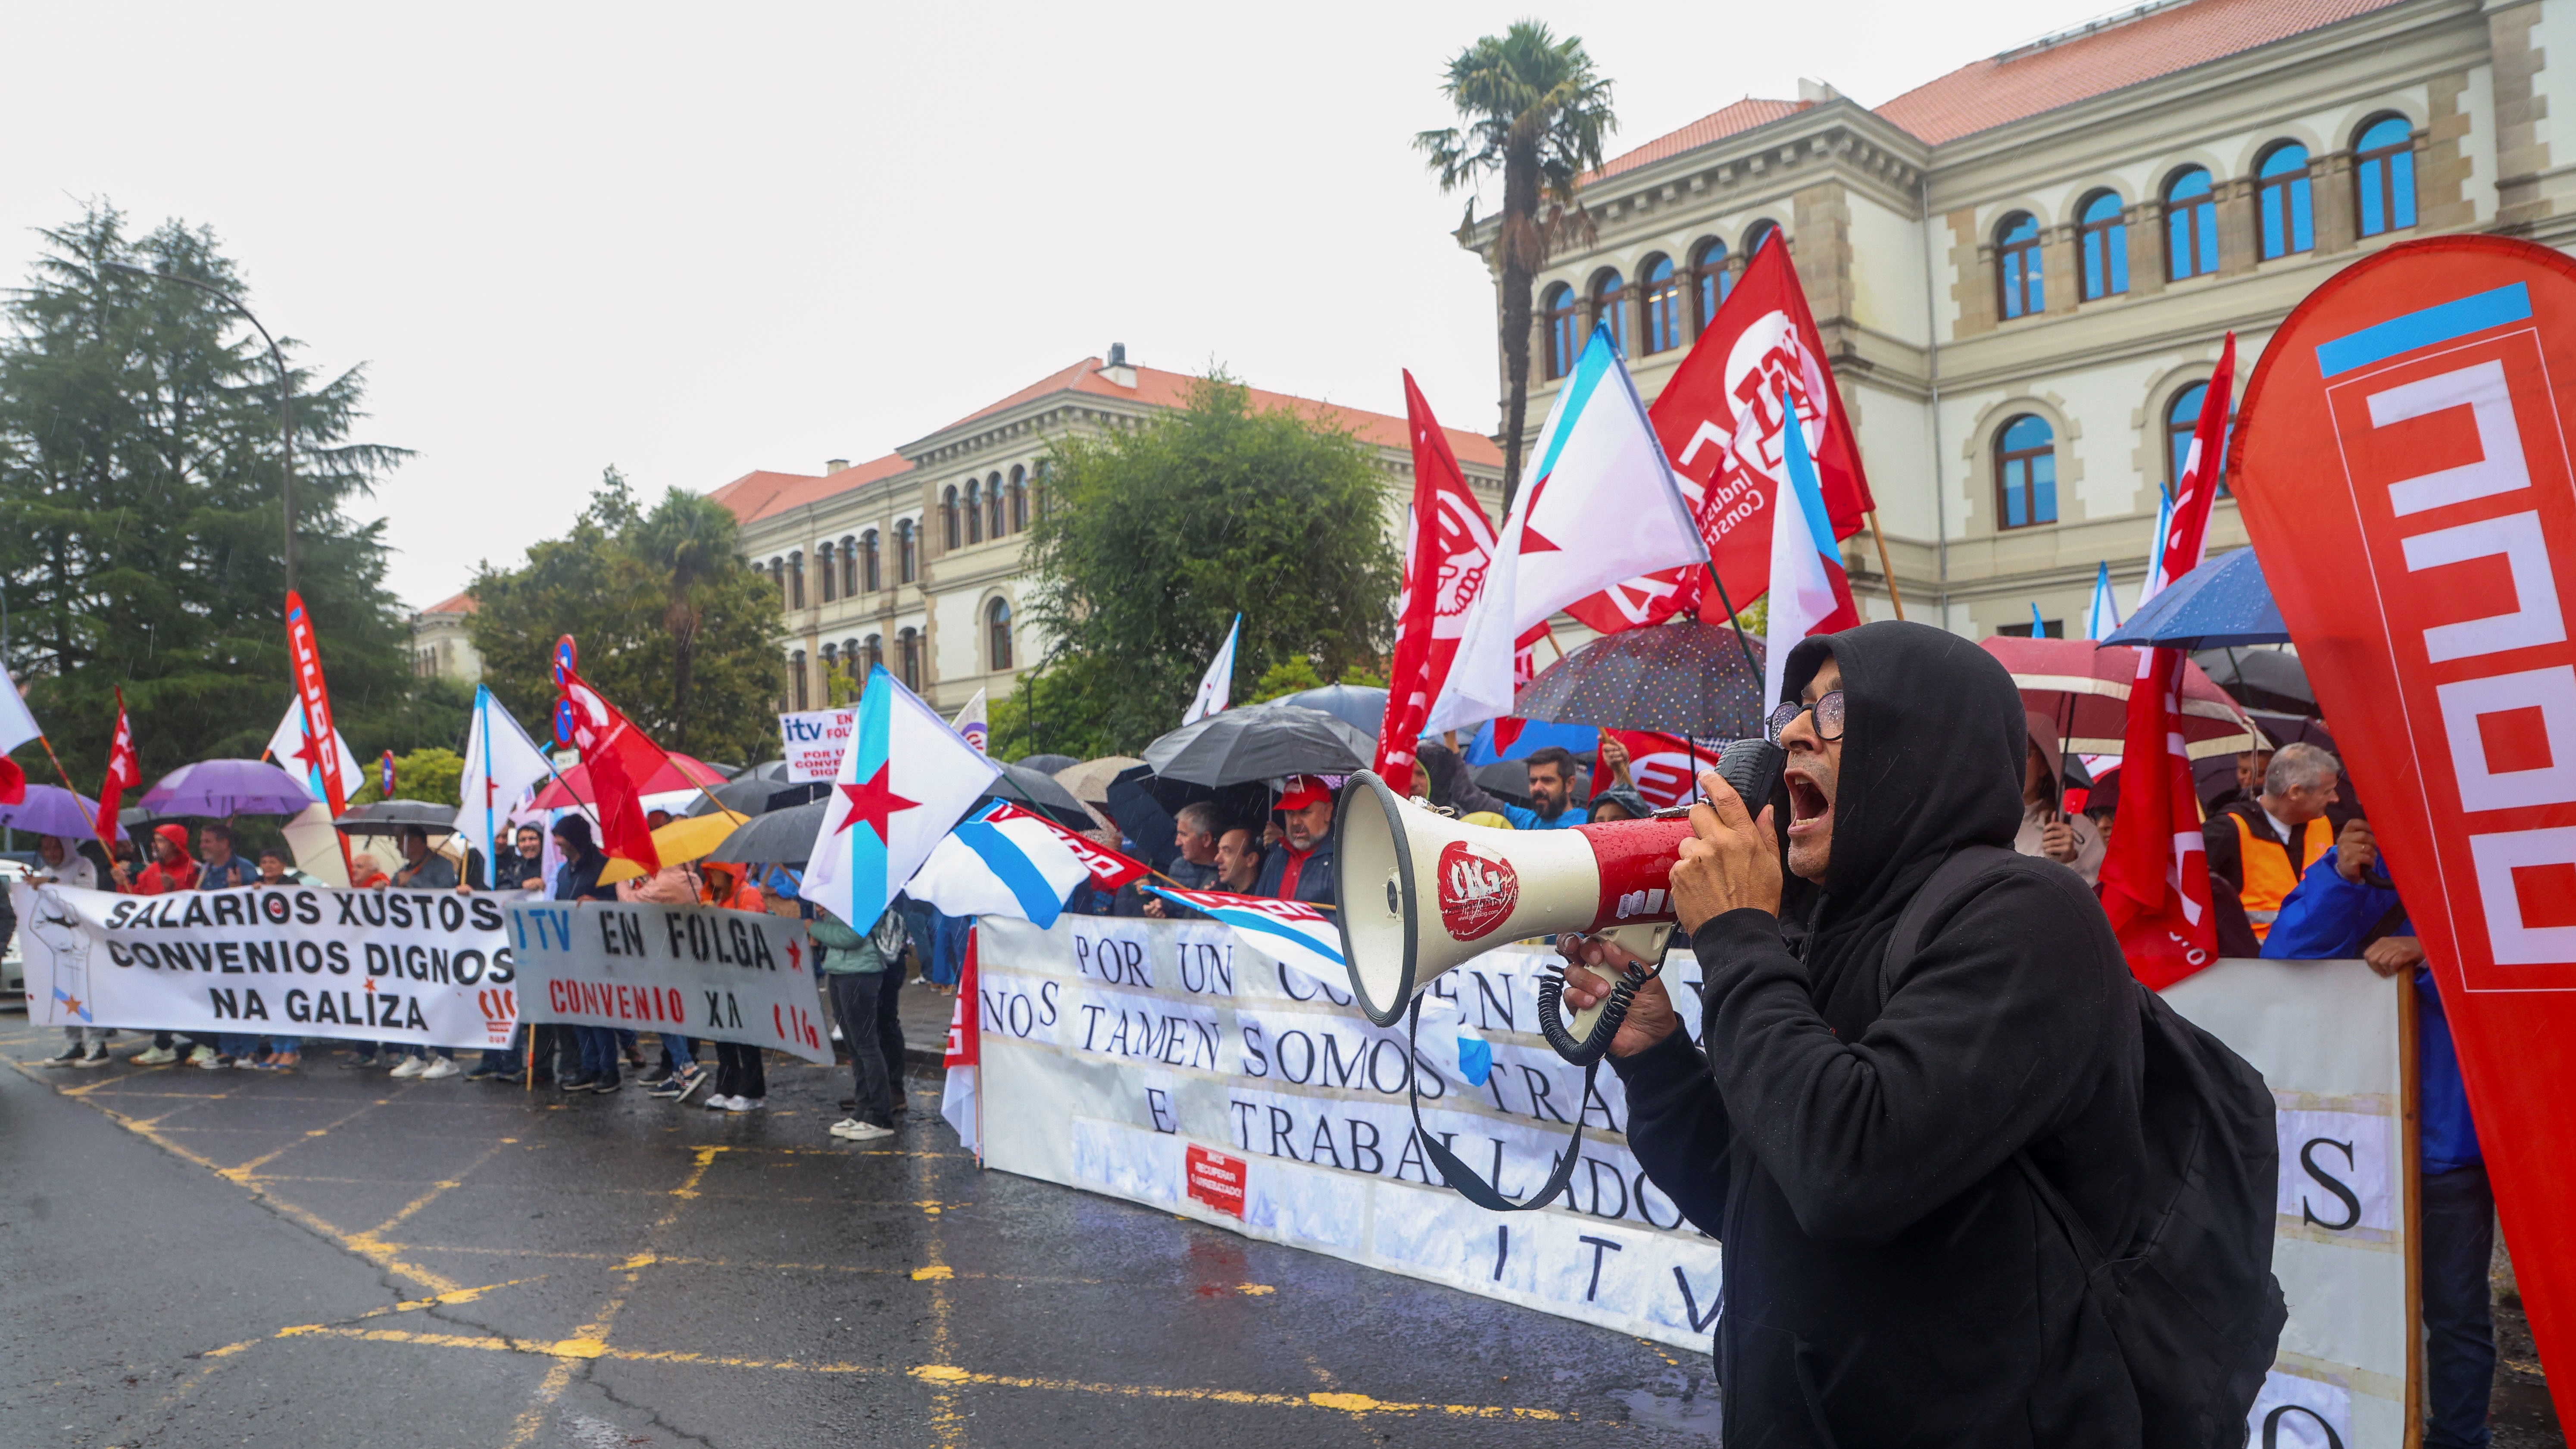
(853, 1130)
(698, 1077)
(606, 1085)
(482, 1070)
(97, 1057)
(72, 1055)
(655, 1077)
(844, 1127)
(582, 1083)
(357, 1064)
(441, 1069)
(720, 1104)
(216, 1063)
(666, 1089)
(155, 1057)
(411, 1067)
(201, 1055)
(745, 1104)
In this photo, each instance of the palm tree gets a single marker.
(1537, 112)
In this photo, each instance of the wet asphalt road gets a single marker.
(334, 1258)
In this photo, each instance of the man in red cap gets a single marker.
(1301, 869)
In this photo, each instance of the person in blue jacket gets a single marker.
(2345, 906)
(1551, 787)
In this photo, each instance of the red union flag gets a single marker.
(2403, 467)
(1719, 419)
(1448, 548)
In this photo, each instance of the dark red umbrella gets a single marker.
(2085, 689)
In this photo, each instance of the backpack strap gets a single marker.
(1949, 880)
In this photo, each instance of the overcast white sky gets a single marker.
(694, 242)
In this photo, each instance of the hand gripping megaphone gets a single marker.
(1421, 893)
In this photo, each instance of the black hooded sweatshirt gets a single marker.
(1891, 1279)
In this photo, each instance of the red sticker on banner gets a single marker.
(2403, 466)
(1217, 1180)
(1477, 890)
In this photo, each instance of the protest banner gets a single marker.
(812, 741)
(419, 968)
(694, 971)
(1175, 1064)
(2404, 470)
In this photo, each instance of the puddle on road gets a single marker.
(1694, 1410)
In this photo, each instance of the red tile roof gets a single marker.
(755, 496)
(1744, 115)
(1171, 389)
(2028, 81)
(461, 604)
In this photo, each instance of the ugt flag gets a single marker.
(905, 779)
(1448, 550)
(1602, 506)
(1809, 592)
(1722, 423)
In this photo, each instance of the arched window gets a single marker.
(2026, 471)
(874, 652)
(1558, 309)
(830, 576)
(796, 667)
(993, 506)
(2017, 272)
(1610, 307)
(2102, 241)
(1710, 282)
(2191, 225)
(907, 556)
(778, 578)
(1663, 305)
(869, 579)
(2383, 175)
(997, 634)
(2281, 201)
(1019, 499)
(850, 658)
(1758, 233)
(2182, 420)
(796, 580)
(850, 567)
(974, 510)
(907, 653)
(831, 657)
(948, 515)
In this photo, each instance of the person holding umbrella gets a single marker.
(2046, 828)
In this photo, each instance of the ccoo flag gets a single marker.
(1810, 594)
(1602, 506)
(904, 781)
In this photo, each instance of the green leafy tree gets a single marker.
(671, 625)
(1537, 112)
(430, 773)
(1154, 537)
(140, 526)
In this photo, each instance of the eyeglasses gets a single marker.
(1829, 718)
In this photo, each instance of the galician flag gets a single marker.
(904, 781)
(2155, 581)
(2102, 620)
(971, 725)
(1602, 507)
(1003, 861)
(1216, 687)
(1809, 592)
(290, 748)
(502, 765)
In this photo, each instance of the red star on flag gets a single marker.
(795, 954)
(875, 802)
(308, 753)
(1532, 541)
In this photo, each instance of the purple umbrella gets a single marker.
(227, 787)
(53, 810)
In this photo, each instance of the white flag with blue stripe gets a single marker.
(1000, 862)
(2103, 619)
(1293, 933)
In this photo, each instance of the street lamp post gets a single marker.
(285, 395)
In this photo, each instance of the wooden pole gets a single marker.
(77, 802)
(1886, 569)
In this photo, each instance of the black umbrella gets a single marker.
(1362, 706)
(728, 771)
(393, 817)
(1046, 764)
(768, 770)
(2265, 679)
(1682, 678)
(1260, 742)
(747, 795)
(782, 837)
(1141, 817)
(1039, 792)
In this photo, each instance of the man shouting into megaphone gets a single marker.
(1856, 1125)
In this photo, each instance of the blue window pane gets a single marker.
(2368, 180)
(2020, 229)
(2016, 494)
(2284, 161)
(1661, 271)
(2189, 184)
(2401, 189)
(2205, 217)
(2027, 431)
(2288, 216)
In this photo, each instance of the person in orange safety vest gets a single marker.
(2258, 848)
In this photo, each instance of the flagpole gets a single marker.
(1733, 623)
(65, 776)
(1886, 570)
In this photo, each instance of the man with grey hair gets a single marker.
(2258, 848)
(1195, 831)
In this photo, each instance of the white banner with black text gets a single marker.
(695, 971)
(420, 968)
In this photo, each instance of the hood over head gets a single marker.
(1934, 746)
(177, 835)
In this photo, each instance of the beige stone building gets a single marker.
(442, 641)
(2023, 269)
(913, 560)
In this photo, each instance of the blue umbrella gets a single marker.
(2222, 602)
